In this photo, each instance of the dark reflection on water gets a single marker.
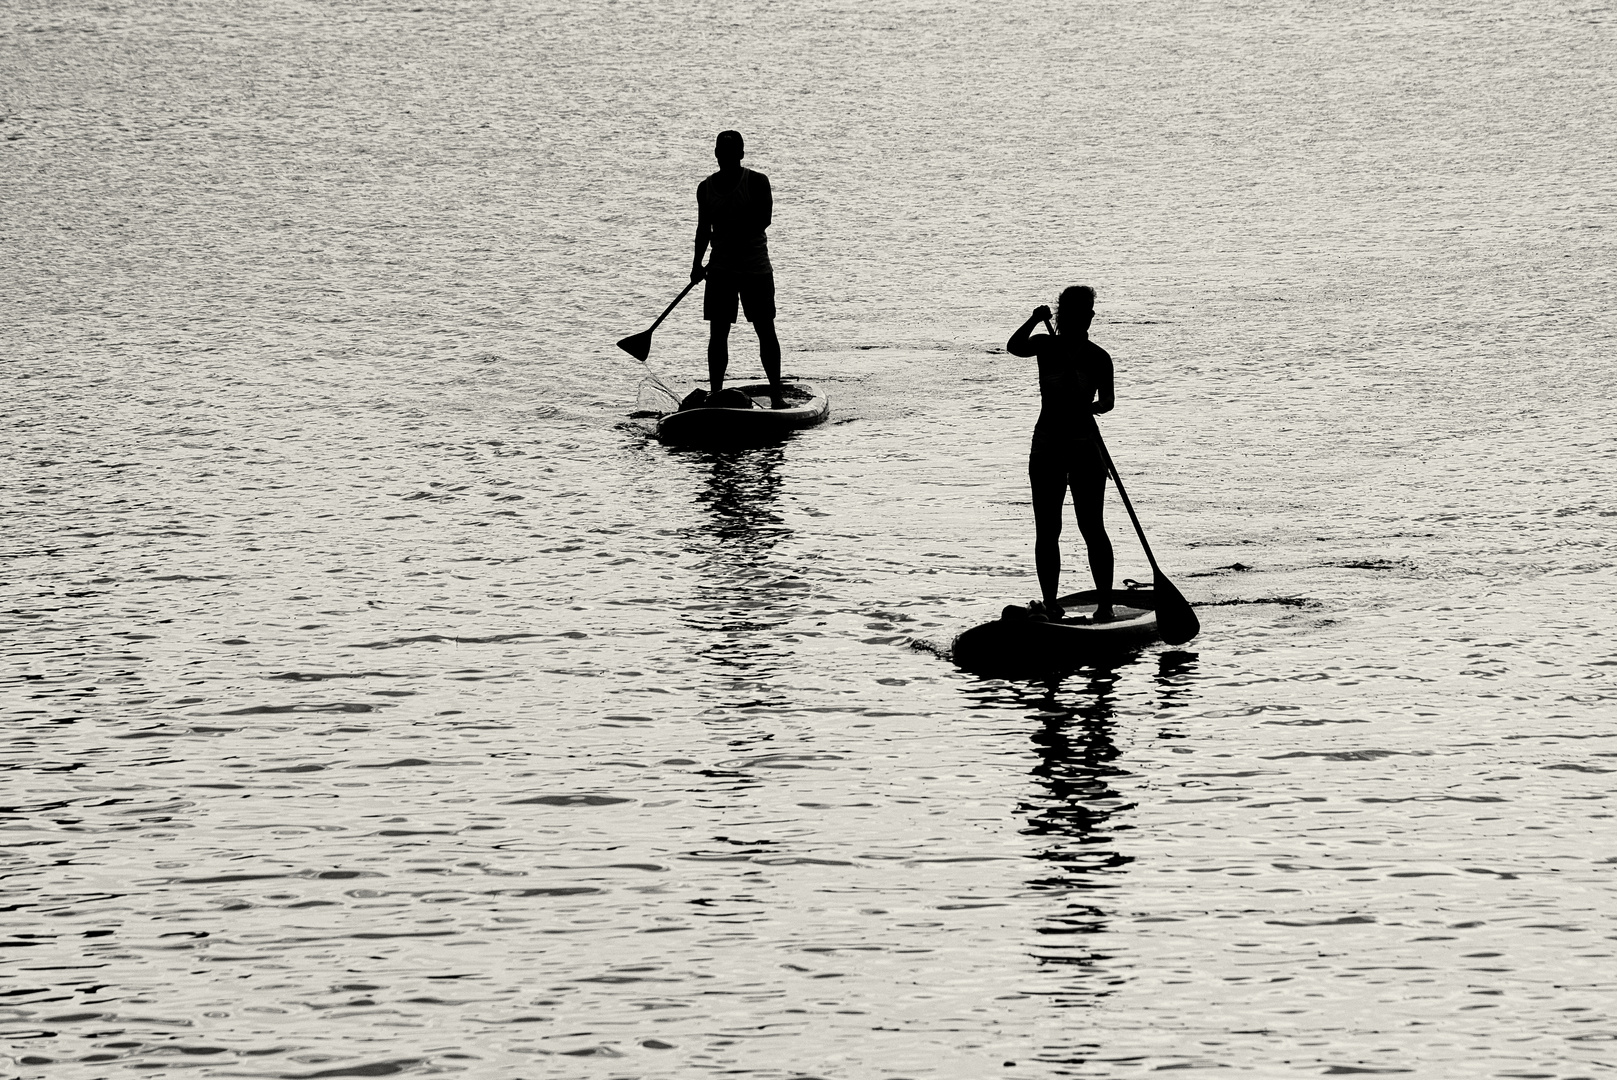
(1070, 809)
(1079, 816)
(740, 496)
(737, 602)
(1175, 669)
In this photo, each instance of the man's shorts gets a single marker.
(755, 291)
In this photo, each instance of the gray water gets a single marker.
(381, 699)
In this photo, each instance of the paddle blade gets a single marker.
(637, 345)
(1175, 620)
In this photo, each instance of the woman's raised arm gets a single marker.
(1021, 344)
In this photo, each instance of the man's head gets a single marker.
(729, 149)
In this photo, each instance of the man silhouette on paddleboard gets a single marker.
(733, 208)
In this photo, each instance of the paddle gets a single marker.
(639, 345)
(1175, 619)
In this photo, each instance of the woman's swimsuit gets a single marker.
(1063, 437)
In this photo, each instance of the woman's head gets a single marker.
(1075, 308)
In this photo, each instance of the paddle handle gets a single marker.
(672, 306)
(1111, 470)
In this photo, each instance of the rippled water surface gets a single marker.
(381, 699)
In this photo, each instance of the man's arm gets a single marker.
(1021, 344)
(704, 233)
(766, 203)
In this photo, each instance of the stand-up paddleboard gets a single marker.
(1017, 641)
(709, 425)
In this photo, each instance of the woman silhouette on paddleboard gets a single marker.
(1075, 383)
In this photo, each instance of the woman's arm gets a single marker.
(1021, 344)
(1104, 397)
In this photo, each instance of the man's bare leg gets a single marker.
(718, 354)
(769, 353)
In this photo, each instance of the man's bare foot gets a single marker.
(1104, 614)
(778, 402)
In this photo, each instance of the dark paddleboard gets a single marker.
(1015, 642)
(718, 426)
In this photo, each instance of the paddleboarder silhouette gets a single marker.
(1075, 383)
(733, 209)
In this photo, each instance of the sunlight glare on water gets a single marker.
(383, 699)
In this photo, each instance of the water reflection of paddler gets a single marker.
(1072, 815)
(741, 495)
(743, 598)
(734, 207)
(1075, 383)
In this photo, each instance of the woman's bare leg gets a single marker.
(1088, 502)
(1048, 480)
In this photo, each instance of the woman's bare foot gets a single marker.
(1039, 610)
(1105, 614)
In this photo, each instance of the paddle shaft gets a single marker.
(1100, 444)
(672, 306)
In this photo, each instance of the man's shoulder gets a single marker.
(710, 184)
